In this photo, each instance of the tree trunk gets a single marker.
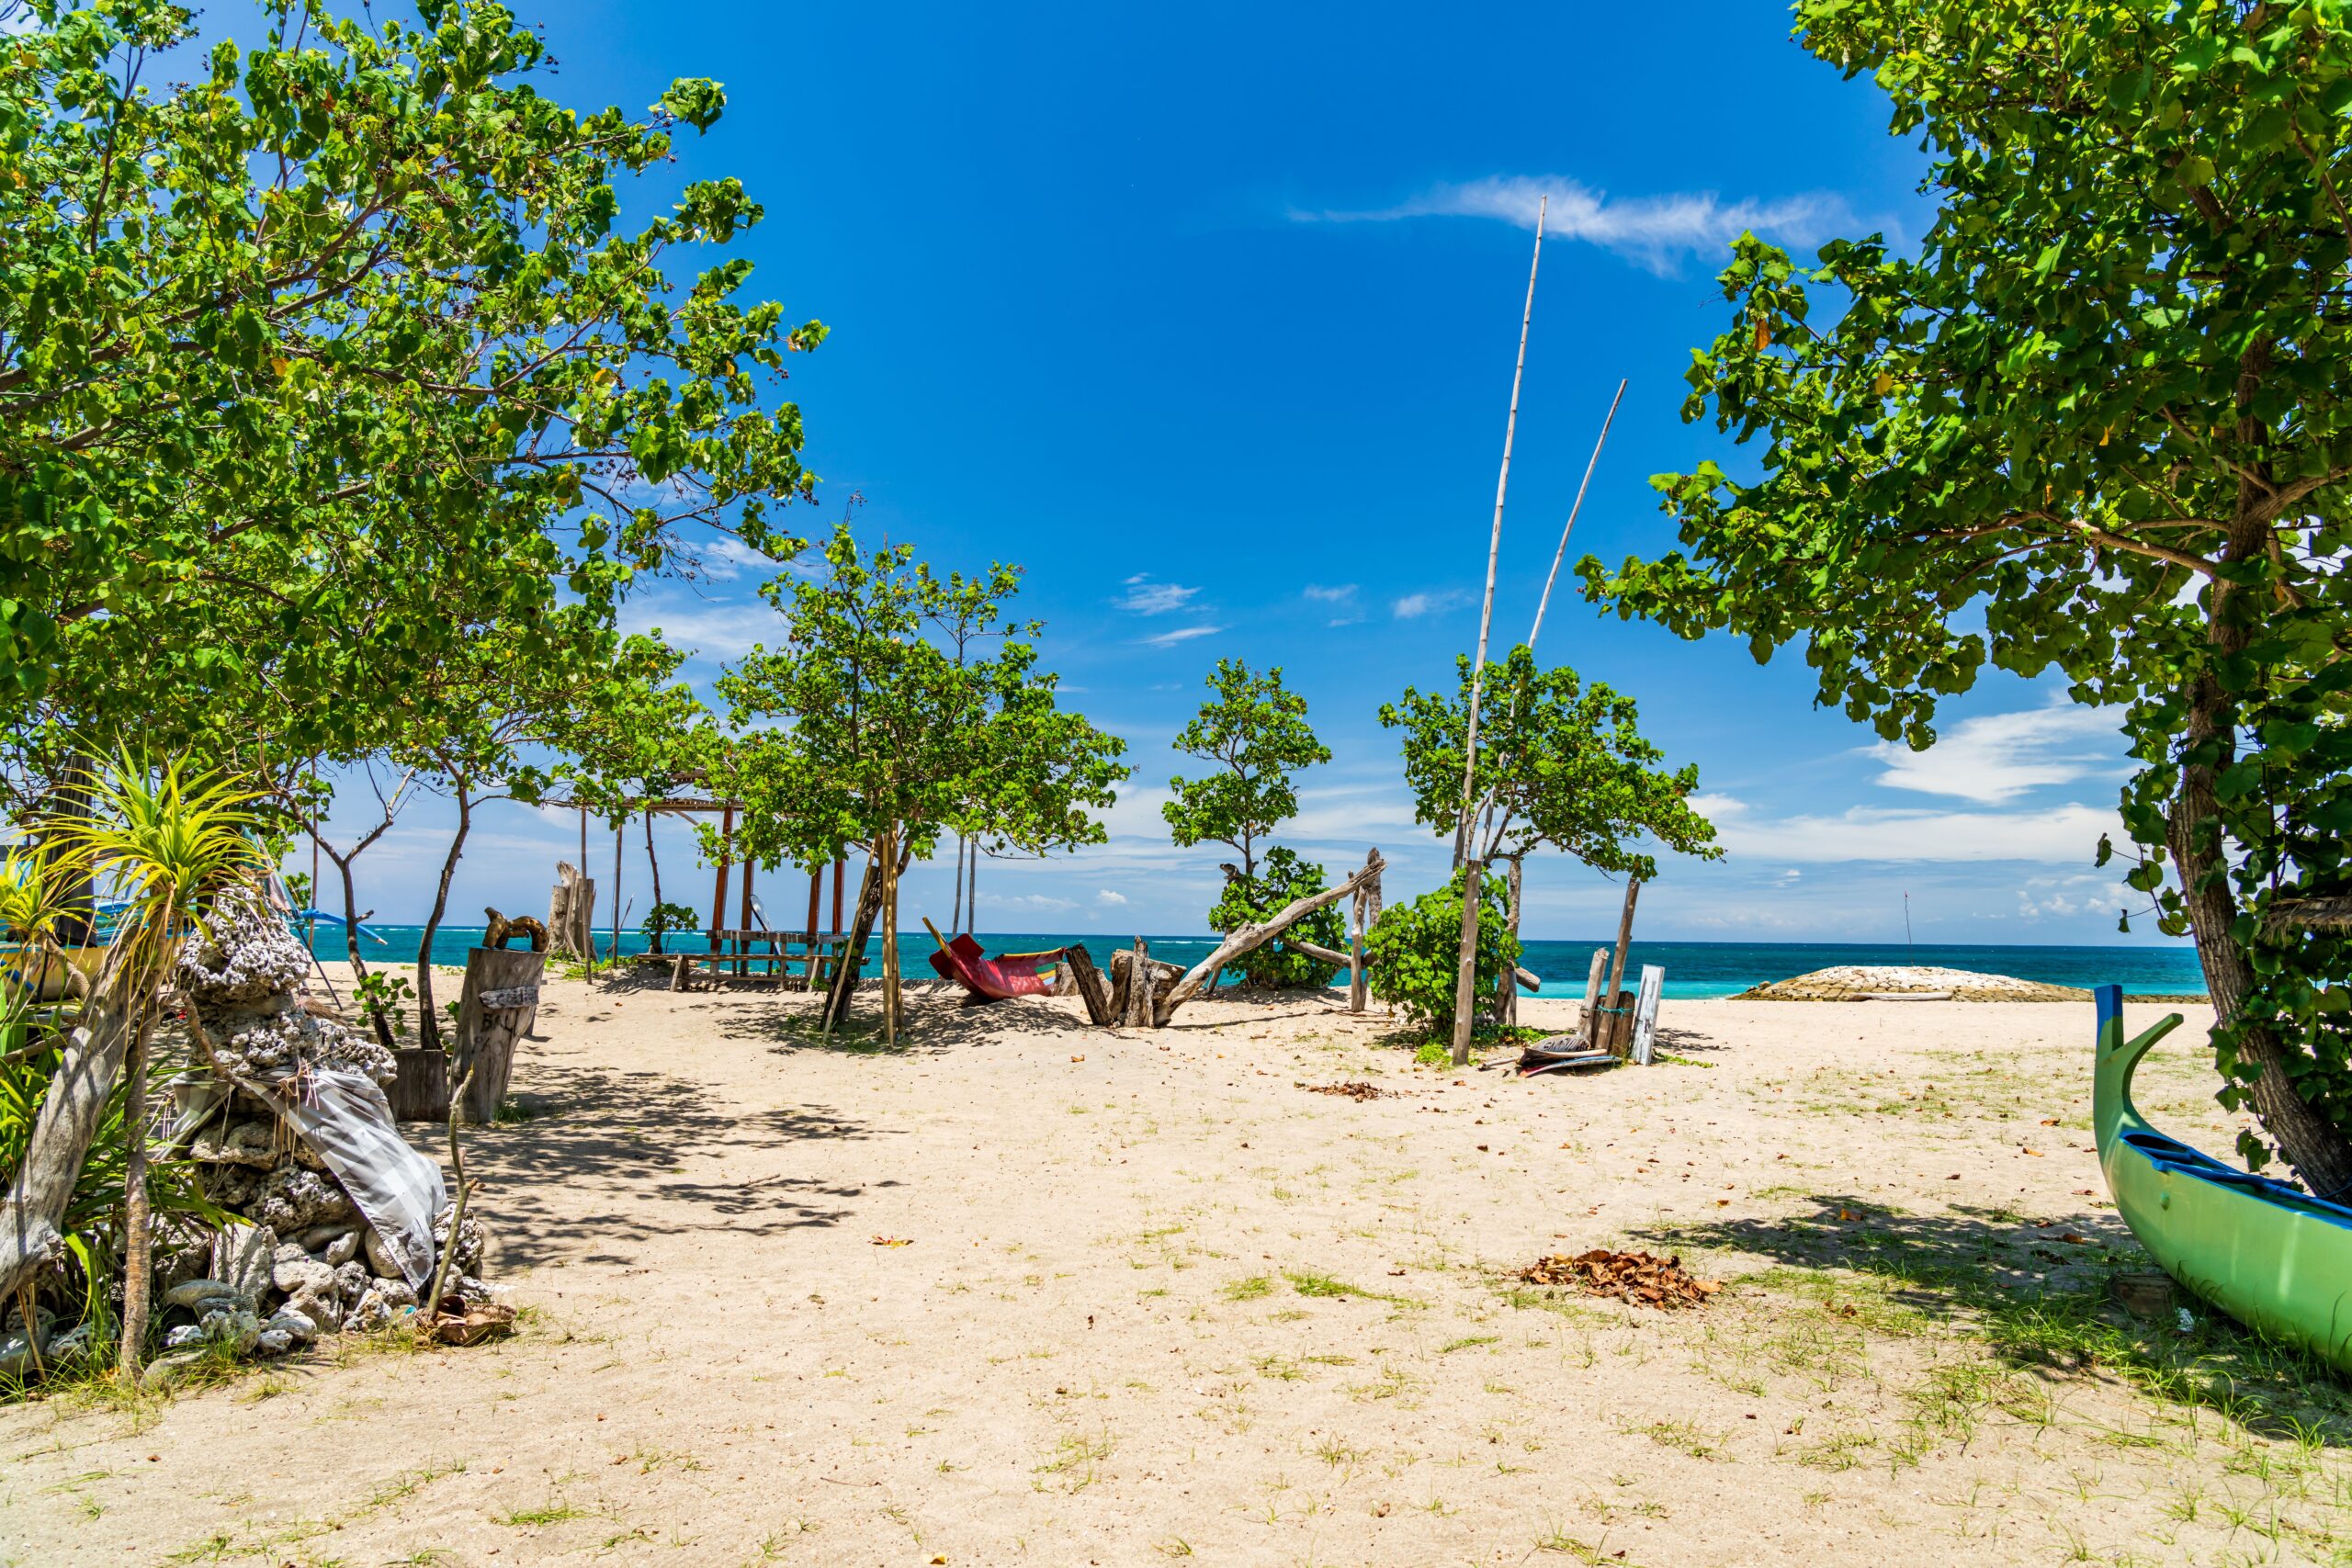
(428, 1027)
(121, 1002)
(2317, 1149)
(138, 1241)
(654, 866)
(846, 973)
(351, 942)
(1506, 1014)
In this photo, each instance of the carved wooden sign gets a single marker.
(510, 996)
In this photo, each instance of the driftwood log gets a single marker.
(1250, 938)
(1078, 965)
(1527, 978)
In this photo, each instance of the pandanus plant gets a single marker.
(164, 839)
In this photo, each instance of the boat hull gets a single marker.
(2270, 1256)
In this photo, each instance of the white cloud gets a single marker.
(707, 628)
(1181, 634)
(2056, 835)
(1654, 232)
(1414, 606)
(1331, 595)
(1105, 895)
(1147, 598)
(1998, 757)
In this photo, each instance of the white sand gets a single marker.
(1074, 1360)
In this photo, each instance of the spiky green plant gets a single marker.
(167, 840)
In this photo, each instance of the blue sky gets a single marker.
(1206, 318)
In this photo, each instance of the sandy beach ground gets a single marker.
(1027, 1291)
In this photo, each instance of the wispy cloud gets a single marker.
(1179, 634)
(2057, 835)
(1346, 609)
(1412, 606)
(1145, 597)
(1108, 896)
(1330, 594)
(1653, 231)
(1998, 757)
(707, 628)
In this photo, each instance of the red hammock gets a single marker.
(990, 979)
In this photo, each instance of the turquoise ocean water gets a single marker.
(1693, 968)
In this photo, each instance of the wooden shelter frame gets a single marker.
(801, 959)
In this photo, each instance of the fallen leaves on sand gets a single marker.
(893, 1241)
(1637, 1277)
(475, 1324)
(1351, 1090)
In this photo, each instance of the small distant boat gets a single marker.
(2272, 1257)
(997, 979)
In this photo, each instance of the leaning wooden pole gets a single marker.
(1582, 485)
(1466, 983)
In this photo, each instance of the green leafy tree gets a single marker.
(321, 355)
(1413, 955)
(1256, 733)
(663, 919)
(2099, 422)
(1559, 764)
(905, 703)
(1281, 879)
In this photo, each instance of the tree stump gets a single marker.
(571, 911)
(1086, 981)
(500, 1003)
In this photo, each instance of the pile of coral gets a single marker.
(341, 1224)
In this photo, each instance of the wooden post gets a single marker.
(816, 902)
(1508, 1014)
(1139, 989)
(618, 833)
(841, 869)
(1620, 1022)
(501, 997)
(852, 959)
(1589, 1023)
(588, 920)
(889, 936)
(1367, 909)
(1645, 1014)
(718, 895)
(743, 924)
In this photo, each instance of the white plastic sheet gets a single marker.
(348, 1123)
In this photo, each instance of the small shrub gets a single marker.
(1281, 877)
(1414, 952)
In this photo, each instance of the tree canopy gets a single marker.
(335, 353)
(2097, 420)
(1257, 730)
(1559, 763)
(905, 702)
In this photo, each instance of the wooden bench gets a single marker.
(793, 960)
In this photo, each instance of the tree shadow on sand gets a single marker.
(586, 1168)
(2036, 1292)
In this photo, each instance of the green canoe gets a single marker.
(2269, 1255)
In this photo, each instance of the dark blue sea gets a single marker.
(1693, 968)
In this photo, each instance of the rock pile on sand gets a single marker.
(1860, 983)
(304, 1261)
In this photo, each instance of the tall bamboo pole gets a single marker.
(1473, 874)
(1590, 463)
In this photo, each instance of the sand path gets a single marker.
(1156, 1299)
